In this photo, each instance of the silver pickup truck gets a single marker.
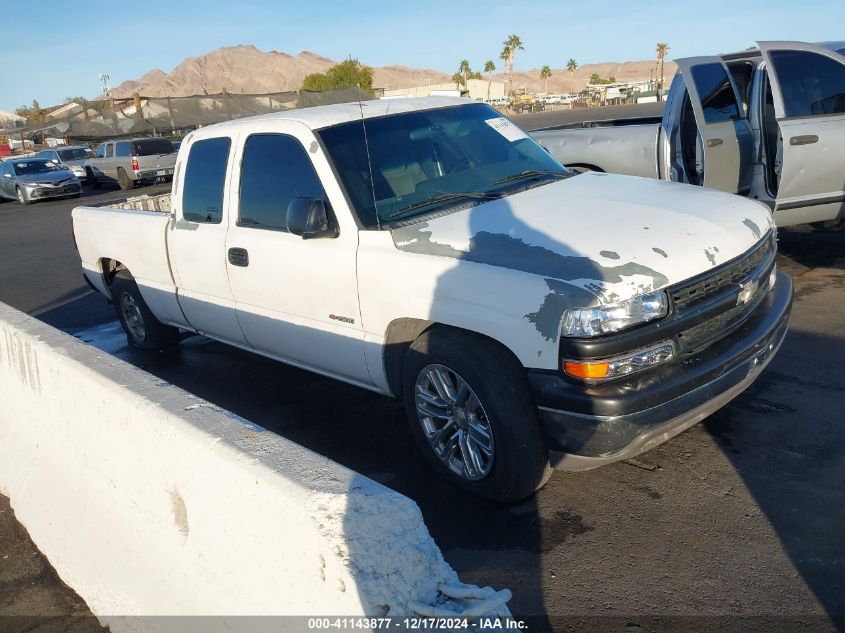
(767, 123)
(131, 161)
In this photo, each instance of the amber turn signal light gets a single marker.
(595, 370)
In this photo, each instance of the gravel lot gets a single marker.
(736, 524)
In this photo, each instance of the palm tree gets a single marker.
(545, 73)
(465, 71)
(489, 67)
(661, 53)
(571, 66)
(511, 45)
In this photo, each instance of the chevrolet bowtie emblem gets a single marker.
(746, 291)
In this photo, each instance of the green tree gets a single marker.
(571, 66)
(33, 113)
(489, 67)
(346, 74)
(511, 45)
(662, 48)
(79, 100)
(595, 78)
(545, 73)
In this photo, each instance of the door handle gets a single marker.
(714, 142)
(807, 139)
(238, 257)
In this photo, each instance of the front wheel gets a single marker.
(143, 330)
(22, 196)
(472, 415)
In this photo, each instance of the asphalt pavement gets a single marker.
(736, 524)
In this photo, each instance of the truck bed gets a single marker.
(159, 202)
(133, 234)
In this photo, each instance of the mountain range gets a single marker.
(246, 69)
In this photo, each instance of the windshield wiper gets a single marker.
(443, 197)
(532, 173)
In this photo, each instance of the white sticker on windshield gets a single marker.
(507, 129)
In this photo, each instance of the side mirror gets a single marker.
(7, 175)
(309, 218)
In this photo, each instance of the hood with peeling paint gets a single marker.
(615, 236)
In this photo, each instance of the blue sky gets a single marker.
(61, 50)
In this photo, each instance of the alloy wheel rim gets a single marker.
(20, 196)
(454, 422)
(132, 317)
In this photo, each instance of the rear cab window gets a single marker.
(122, 148)
(205, 180)
(152, 147)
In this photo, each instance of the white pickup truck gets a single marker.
(429, 250)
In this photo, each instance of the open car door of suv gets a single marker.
(808, 89)
(723, 128)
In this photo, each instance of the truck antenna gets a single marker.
(369, 160)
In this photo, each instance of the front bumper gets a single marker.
(591, 425)
(44, 191)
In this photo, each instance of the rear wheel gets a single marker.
(124, 181)
(142, 329)
(472, 415)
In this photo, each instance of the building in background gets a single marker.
(477, 89)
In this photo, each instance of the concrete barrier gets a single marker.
(150, 501)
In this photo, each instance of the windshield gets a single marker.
(77, 153)
(152, 147)
(35, 167)
(425, 161)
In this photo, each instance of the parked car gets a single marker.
(31, 179)
(765, 123)
(133, 161)
(72, 158)
(433, 252)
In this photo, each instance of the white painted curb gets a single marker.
(149, 501)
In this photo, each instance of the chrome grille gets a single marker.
(732, 272)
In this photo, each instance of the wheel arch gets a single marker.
(402, 332)
(584, 167)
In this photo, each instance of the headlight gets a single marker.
(615, 316)
(617, 366)
(27, 183)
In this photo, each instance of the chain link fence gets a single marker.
(167, 116)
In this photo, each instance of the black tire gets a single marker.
(21, 197)
(124, 181)
(132, 311)
(520, 461)
(92, 179)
